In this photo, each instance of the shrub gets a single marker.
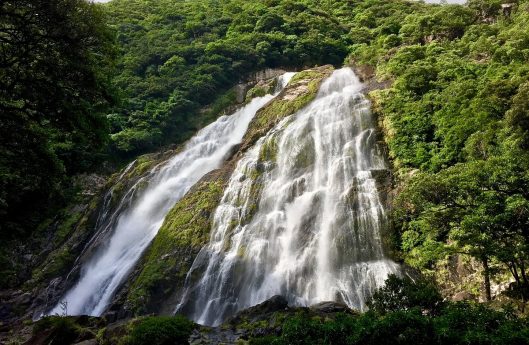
(59, 330)
(161, 330)
(400, 294)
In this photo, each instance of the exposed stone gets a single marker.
(262, 320)
(240, 92)
(91, 184)
(330, 307)
(267, 73)
(255, 79)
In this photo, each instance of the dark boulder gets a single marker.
(330, 307)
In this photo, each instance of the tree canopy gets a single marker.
(55, 59)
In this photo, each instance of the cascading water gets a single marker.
(140, 217)
(301, 216)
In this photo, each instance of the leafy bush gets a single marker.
(406, 322)
(58, 329)
(161, 330)
(401, 294)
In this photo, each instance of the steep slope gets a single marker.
(187, 227)
(301, 215)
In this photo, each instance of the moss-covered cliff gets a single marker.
(162, 271)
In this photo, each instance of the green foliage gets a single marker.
(177, 55)
(401, 294)
(455, 115)
(456, 324)
(479, 208)
(455, 121)
(62, 330)
(59, 261)
(160, 330)
(186, 227)
(55, 63)
(453, 323)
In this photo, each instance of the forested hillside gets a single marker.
(179, 56)
(87, 88)
(456, 110)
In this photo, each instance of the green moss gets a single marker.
(100, 336)
(241, 251)
(305, 156)
(61, 330)
(186, 226)
(377, 99)
(255, 195)
(74, 225)
(301, 90)
(268, 150)
(305, 75)
(142, 165)
(68, 330)
(262, 88)
(188, 222)
(257, 91)
(67, 226)
(57, 262)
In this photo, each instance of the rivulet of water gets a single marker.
(301, 216)
(141, 212)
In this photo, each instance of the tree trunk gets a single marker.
(486, 275)
(524, 276)
(525, 285)
(514, 272)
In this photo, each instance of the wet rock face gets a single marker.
(157, 286)
(11, 303)
(61, 267)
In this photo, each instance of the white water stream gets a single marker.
(301, 216)
(139, 217)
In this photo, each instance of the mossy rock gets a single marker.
(186, 228)
(260, 89)
(300, 91)
(72, 230)
(256, 91)
(268, 151)
(305, 155)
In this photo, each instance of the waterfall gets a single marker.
(301, 216)
(140, 214)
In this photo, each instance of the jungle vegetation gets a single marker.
(84, 83)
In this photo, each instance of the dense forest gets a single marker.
(86, 88)
(56, 60)
(455, 116)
